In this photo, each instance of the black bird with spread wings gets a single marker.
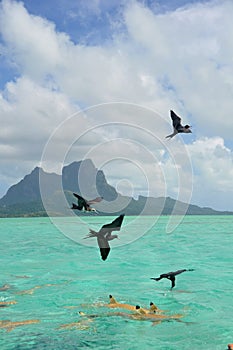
(85, 204)
(171, 276)
(104, 235)
(178, 128)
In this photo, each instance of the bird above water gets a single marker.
(104, 235)
(84, 204)
(171, 276)
(177, 127)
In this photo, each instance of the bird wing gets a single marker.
(156, 279)
(176, 121)
(165, 275)
(172, 279)
(178, 272)
(104, 246)
(96, 200)
(78, 196)
(81, 201)
(115, 225)
(74, 206)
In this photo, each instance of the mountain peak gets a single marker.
(36, 170)
(24, 198)
(83, 177)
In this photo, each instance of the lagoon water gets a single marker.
(35, 253)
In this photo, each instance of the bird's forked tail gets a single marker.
(91, 234)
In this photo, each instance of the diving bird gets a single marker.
(177, 127)
(171, 276)
(105, 235)
(84, 204)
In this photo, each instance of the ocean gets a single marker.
(51, 278)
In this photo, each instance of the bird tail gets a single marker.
(91, 234)
(156, 279)
(190, 270)
(170, 136)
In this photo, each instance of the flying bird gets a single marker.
(105, 235)
(178, 128)
(171, 276)
(84, 204)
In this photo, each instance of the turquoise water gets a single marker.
(70, 274)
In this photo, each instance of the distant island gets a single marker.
(24, 198)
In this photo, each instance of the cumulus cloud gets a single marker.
(29, 111)
(32, 41)
(189, 53)
(213, 169)
(179, 60)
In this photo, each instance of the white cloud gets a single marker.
(189, 51)
(32, 41)
(178, 60)
(213, 168)
(29, 113)
(90, 74)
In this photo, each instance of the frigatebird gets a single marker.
(178, 128)
(104, 235)
(85, 204)
(171, 276)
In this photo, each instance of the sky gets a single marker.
(97, 79)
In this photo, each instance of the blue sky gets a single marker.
(58, 57)
(92, 19)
